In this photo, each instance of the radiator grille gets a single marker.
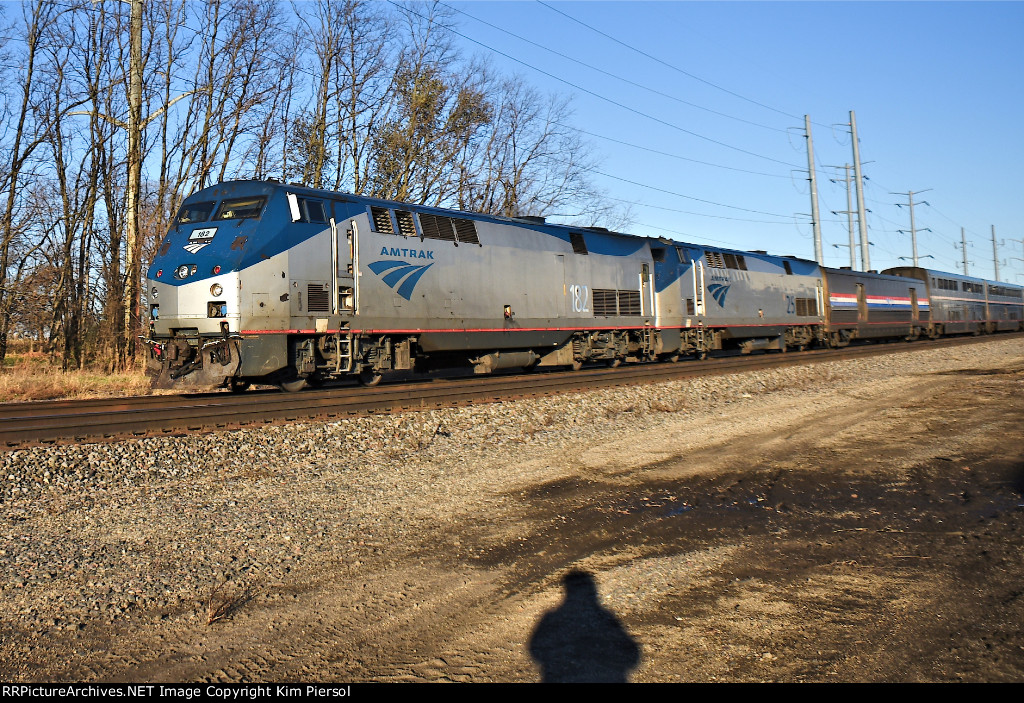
(317, 299)
(629, 302)
(604, 303)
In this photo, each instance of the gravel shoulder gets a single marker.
(849, 521)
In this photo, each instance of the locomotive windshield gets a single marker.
(240, 209)
(194, 212)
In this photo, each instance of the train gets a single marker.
(260, 282)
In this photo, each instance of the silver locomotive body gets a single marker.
(286, 285)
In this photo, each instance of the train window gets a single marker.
(381, 217)
(657, 254)
(241, 209)
(1006, 292)
(406, 223)
(194, 212)
(466, 231)
(579, 245)
(684, 258)
(434, 227)
(313, 210)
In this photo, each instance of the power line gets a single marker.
(668, 65)
(697, 214)
(688, 197)
(612, 75)
(598, 95)
(671, 156)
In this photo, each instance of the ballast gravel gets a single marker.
(152, 528)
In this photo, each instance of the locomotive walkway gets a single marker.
(105, 419)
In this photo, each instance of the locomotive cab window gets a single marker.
(194, 212)
(241, 209)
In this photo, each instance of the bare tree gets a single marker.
(19, 147)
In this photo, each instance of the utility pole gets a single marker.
(963, 246)
(913, 228)
(995, 252)
(819, 255)
(849, 214)
(865, 256)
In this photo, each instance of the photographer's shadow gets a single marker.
(581, 641)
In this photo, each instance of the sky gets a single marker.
(695, 113)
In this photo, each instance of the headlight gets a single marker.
(216, 289)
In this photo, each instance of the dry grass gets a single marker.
(32, 376)
(223, 602)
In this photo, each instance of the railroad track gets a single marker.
(106, 419)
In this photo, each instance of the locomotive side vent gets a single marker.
(604, 302)
(579, 245)
(382, 220)
(715, 259)
(629, 302)
(406, 224)
(317, 298)
(435, 227)
(466, 230)
(806, 307)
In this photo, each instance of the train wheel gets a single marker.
(238, 386)
(701, 354)
(613, 363)
(293, 386)
(370, 378)
(576, 364)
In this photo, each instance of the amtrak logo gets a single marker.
(399, 273)
(718, 292)
(199, 238)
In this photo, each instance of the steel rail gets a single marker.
(106, 419)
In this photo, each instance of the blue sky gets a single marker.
(937, 87)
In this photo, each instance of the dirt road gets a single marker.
(865, 527)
